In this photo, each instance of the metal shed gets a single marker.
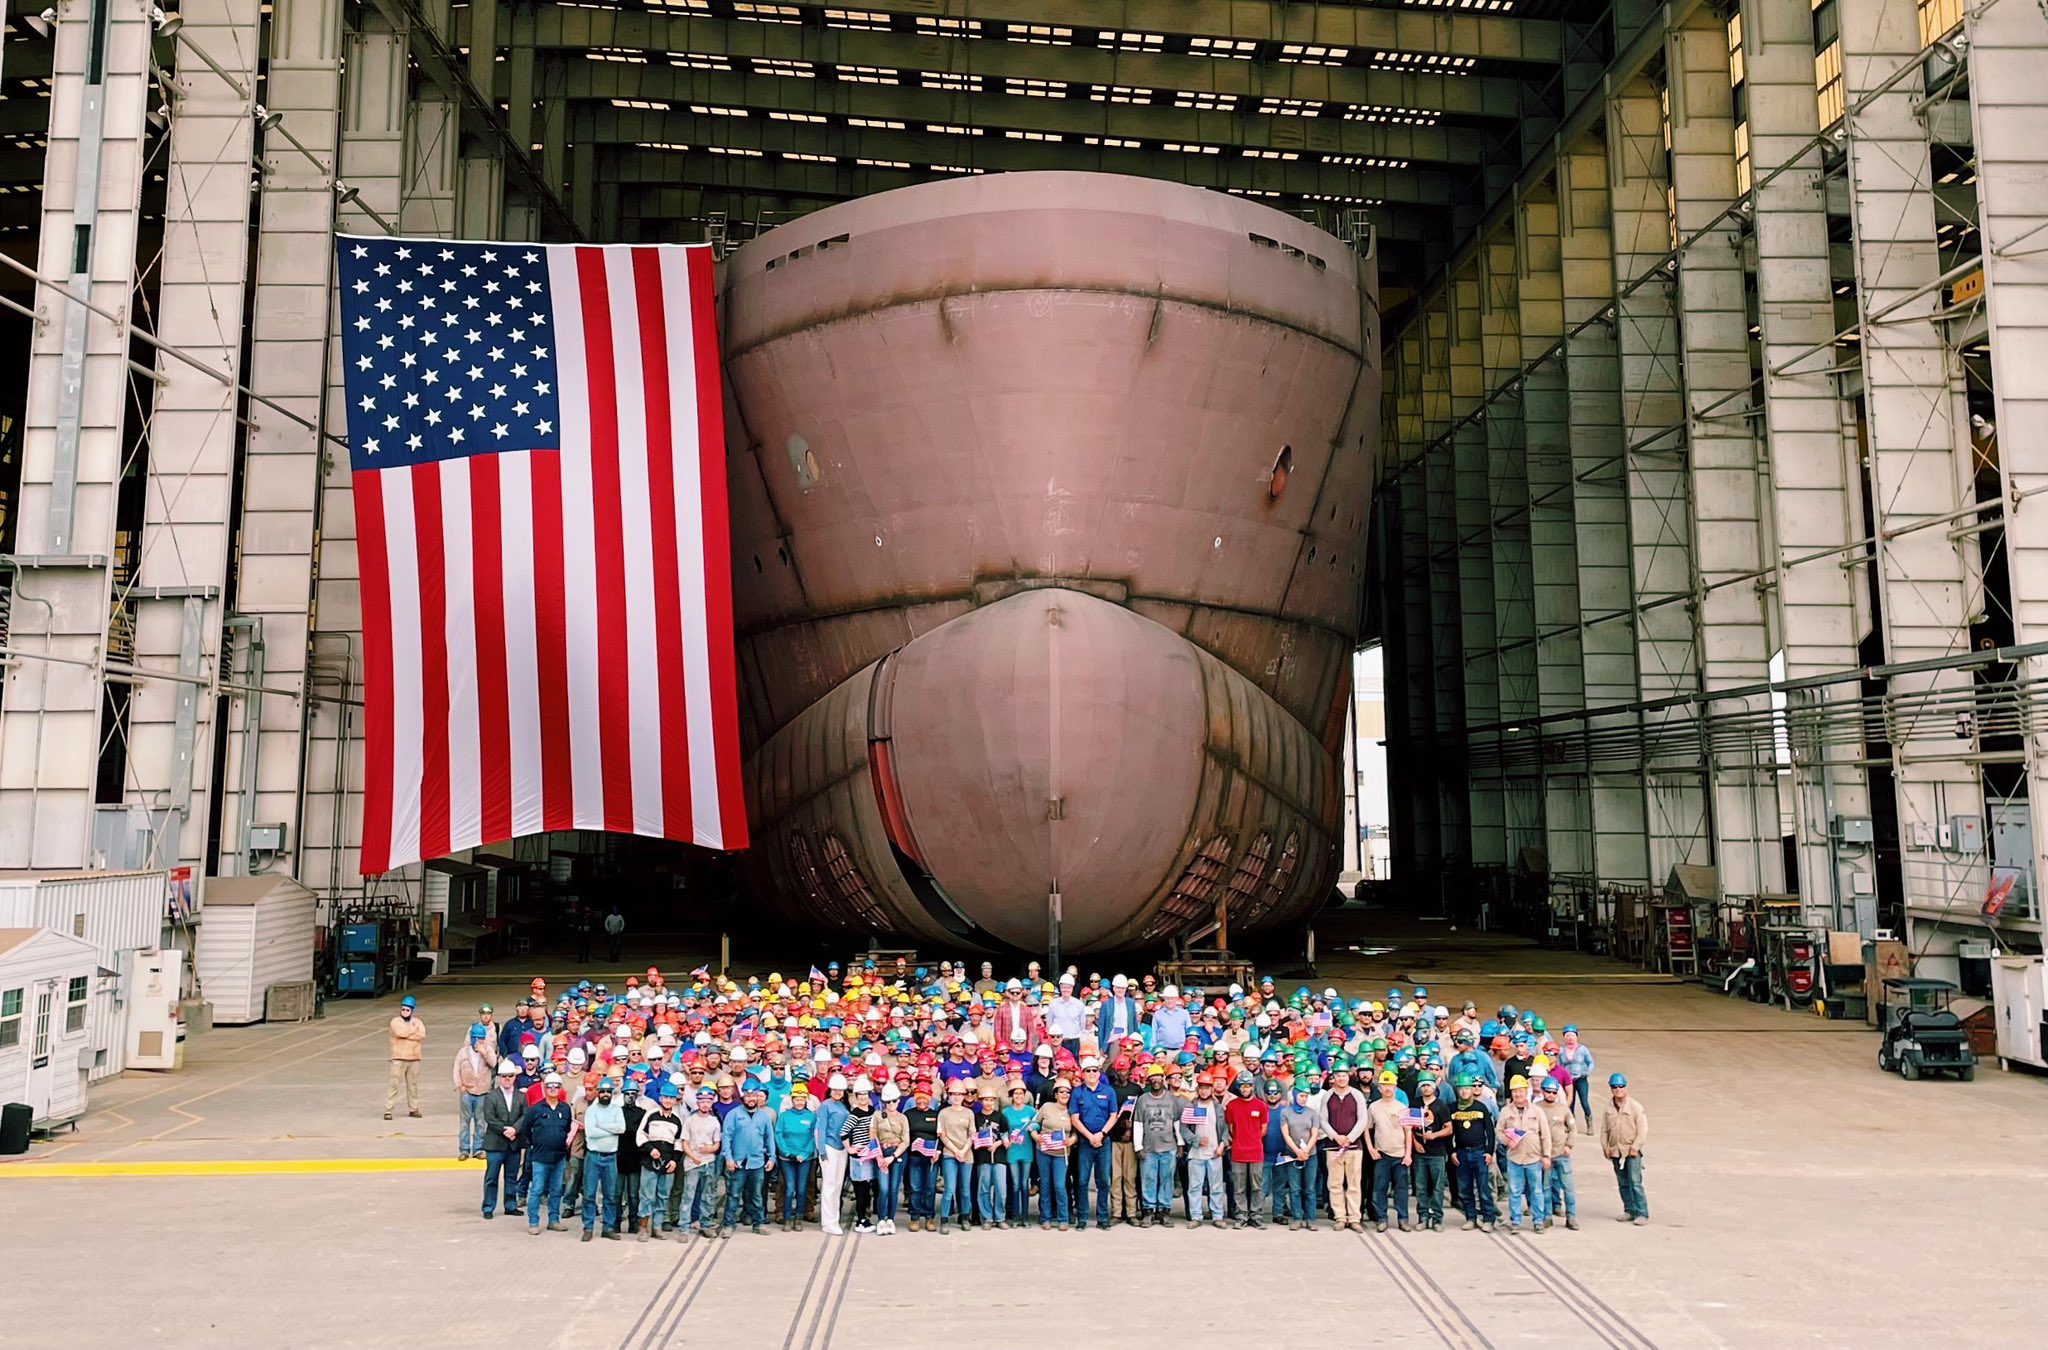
(46, 1007)
(258, 932)
(116, 913)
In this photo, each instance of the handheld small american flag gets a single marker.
(1193, 1115)
(537, 444)
(817, 975)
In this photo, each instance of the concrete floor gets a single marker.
(1800, 1197)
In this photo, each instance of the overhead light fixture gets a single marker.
(43, 24)
(167, 25)
(267, 118)
(345, 194)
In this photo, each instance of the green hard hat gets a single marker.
(1537, 1024)
(1466, 1080)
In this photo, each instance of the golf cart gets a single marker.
(1919, 1035)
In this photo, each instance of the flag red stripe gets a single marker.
(494, 712)
(732, 811)
(375, 584)
(661, 499)
(614, 683)
(426, 508)
(551, 644)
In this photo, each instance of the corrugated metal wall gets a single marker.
(117, 912)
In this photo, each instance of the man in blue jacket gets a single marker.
(1094, 1106)
(748, 1155)
(545, 1128)
(1169, 1022)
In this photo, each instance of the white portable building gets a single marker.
(46, 1007)
(118, 913)
(258, 932)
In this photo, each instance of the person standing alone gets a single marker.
(614, 933)
(408, 1039)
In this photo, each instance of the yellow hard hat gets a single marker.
(1389, 1076)
(1517, 1082)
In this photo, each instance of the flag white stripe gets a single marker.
(636, 518)
(522, 663)
(408, 709)
(579, 544)
(706, 827)
(465, 763)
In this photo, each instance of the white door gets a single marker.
(40, 1078)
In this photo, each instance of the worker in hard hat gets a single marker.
(1390, 1142)
(698, 1197)
(1472, 1140)
(1562, 1202)
(408, 1038)
(1343, 1113)
(1576, 1058)
(832, 1114)
(796, 1147)
(1525, 1136)
(545, 1128)
(604, 1121)
(1624, 1132)
(1432, 1153)
(504, 1107)
(475, 1065)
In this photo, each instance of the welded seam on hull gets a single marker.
(885, 604)
(733, 354)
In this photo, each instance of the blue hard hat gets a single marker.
(1393, 996)
(1420, 993)
(1488, 1030)
(408, 1002)
(669, 1092)
(1571, 1029)
(477, 1031)
(1617, 1080)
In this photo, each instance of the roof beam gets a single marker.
(557, 26)
(805, 142)
(655, 195)
(603, 80)
(1496, 37)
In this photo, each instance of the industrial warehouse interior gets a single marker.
(941, 633)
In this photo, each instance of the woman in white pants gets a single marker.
(831, 1154)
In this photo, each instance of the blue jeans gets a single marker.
(888, 1188)
(958, 1203)
(1429, 1186)
(1312, 1193)
(1582, 1088)
(746, 1190)
(547, 1181)
(1475, 1187)
(1628, 1178)
(1205, 1180)
(1291, 1199)
(654, 1191)
(1093, 1162)
(992, 1191)
(1563, 1196)
(796, 1188)
(469, 1127)
(697, 1198)
(921, 1181)
(1020, 1187)
(1390, 1174)
(600, 1184)
(1052, 1189)
(1527, 1190)
(1155, 1182)
(501, 1176)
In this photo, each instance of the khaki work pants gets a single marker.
(405, 1073)
(1123, 1182)
(1345, 1168)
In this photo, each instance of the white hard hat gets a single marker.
(552, 1080)
(1439, 1011)
(1067, 978)
(1119, 982)
(665, 1033)
(739, 1054)
(890, 1092)
(1262, 1021)
(1329, 993)
(576, 1055)
(861, 1084)
(1015, 984)
(1091, 1062)
(1042, 1052)
(1171, 991)
(872, 1059)
(1237, 991)
(821, 1053)
(529, 1051)
(837, 1083)
(506, 1066)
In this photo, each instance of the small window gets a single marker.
(74, 1005)
(10, 1017)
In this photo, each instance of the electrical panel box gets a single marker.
(266, 838)
(1853, 830)
(1965, 834)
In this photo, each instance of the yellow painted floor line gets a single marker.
(272, 1167)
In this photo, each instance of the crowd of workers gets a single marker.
(930, 1096)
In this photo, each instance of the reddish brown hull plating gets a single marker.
(1023, 603)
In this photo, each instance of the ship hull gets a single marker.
(1049, 499)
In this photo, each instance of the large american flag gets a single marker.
(537, 445)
